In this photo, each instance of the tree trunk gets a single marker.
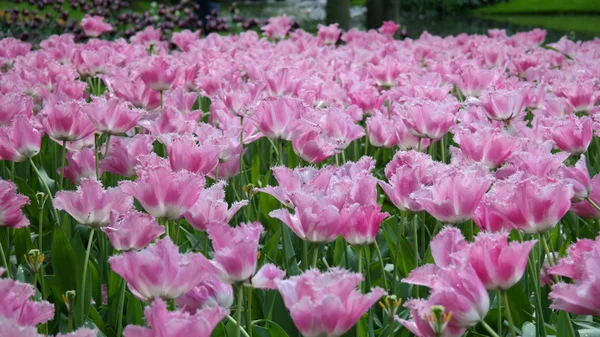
(338, 11)
(374, 13)
(391, 10)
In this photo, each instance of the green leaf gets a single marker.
(407, 257)
(63, 261)
(22, 243)
(135, 313)
(520, 307)
(562, 325)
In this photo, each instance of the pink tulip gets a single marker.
(158, 73)
(388, 28)
(94, 26)
(419, 325)
(165, 323)
(458, 289)
(329, 34)
(9, 328)
(498, 264)
(132, 230)
(123, 154)
(185, 39)
(148, 36)
(296, 180)
(136, 92)
(12, 105)
(187, 152)
(363, 224)
(534, 158)
(429, 119)
(455, 194)
(236, 250)
(578, 297)
(531, 204)
(211, 208)
(485, 145)
(170, 121)
(277, 27)
(11, 204)
(65, 121)
(581, 96)
(277, 117)
(209, 293)
(159, 270)
(91, 204)
(571, 134)
(81, 164)
(266, 277)
(162, 192)
(487, 219)
(408, 172)
(472, 81)
(584, 208)
(448, 247)
(15, 304)
(280, 82)
(391, 132)
(311, 146)
(573, 266)
(20, 141)
(326, 304)
(503, 105)
(579, 177)
(112, 115)
(317, 217)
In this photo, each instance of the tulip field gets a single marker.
(288, 184)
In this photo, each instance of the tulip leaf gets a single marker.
(135, 313)
(528, 330)
(62, 254)
(520, 307)
(562, 325)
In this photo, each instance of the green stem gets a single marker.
(489, 329)
(305, 254)
(249, 312)
(96, 156)
(379, 256)
(107, 144)
(534, 274)
(238, 313)
(391, 325)
(397, 255)
(232, 320)
(499, 304)
(161, 101)
(595, 205)
(4, 261)
(416, 239)
(359, 251)
(37, 172)
(62, 165)
(511, 325)
(549, 254)
(86, 262)
(315, 255)
(470, 230)
(120, 310)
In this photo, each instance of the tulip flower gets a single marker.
(112, 116)
(211, 208)
(15, 304)
(19, 141)
(80, 165)
(132, 230)
(209, 293)
(165, 323)
(65, 121)
(91, 204)
(326, 304)
(93, 26)
(159, 270)
(123, 154)
(11, 204)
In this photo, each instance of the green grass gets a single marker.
(542, 6)
(586, 24)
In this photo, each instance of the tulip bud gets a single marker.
(69, 299)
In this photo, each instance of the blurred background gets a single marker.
(33, 20)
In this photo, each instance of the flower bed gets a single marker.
(283, 185)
